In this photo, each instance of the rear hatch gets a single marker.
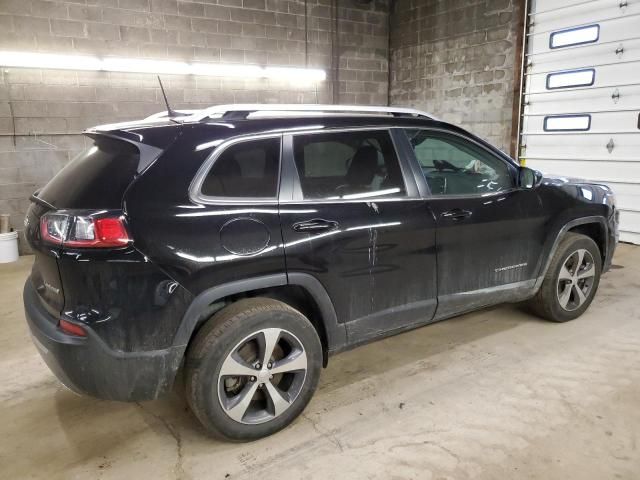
(95, 181)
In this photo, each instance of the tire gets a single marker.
(559, 299)
(234, 341)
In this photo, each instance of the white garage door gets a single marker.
(581, 99)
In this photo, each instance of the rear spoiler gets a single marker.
(35, 199)
(148, 153)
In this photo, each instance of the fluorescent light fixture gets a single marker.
(49, 60)
(145, 66)
(226, 70)
(302, 74)
(168, 67)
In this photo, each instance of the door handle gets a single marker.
(457, 214)
(315, 225)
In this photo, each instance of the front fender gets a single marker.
(552, 243)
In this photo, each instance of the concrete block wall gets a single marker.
(42, 112)
(456, 59)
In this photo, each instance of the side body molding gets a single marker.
(204, 305)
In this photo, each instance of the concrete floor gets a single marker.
(494, 394)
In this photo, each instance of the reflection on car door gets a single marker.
(355, 222)
(489, 232)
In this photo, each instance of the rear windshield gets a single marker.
(95, 179)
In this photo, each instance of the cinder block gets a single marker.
(68, 28)
(243, 43)
(46, 9)
(190, 9)
(257, 4)
(164, 6)
(48, 43)
(218, 12)
(138, 5)
(16, 7)
(196, 39)
(218, 41)
(134, 34)
(27, 25)
(165, 37)
(231, 55)
(103, 31)
(204, 25)
(85, 12)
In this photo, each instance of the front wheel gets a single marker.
(571, 281)
(252, 369)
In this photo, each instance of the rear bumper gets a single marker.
(88, 366)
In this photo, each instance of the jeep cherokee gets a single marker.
(249, 243)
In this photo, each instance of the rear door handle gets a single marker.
(315, 225)
(457, 214)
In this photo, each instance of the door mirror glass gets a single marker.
(528, 178)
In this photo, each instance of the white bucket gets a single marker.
(8, 247)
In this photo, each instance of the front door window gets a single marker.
(454, 166)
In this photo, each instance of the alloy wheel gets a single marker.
(575, 280)
(262, 376)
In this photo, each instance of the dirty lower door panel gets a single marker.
(491, 255)
(377, 262)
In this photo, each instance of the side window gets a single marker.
(454, 166)
(359, 164)
(245, 170)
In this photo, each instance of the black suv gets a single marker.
(249, 243)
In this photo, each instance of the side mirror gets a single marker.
(529, 178)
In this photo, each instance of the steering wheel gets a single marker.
(444, 165)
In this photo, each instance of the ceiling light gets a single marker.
(168, 67)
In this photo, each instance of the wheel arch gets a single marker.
(299, 290)
(597, 232)
(592, 226)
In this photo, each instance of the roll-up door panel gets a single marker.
(581, 98)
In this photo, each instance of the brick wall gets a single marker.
(456, 60)
(42, 112)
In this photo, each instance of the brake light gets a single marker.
(84, 231)
(72, 328)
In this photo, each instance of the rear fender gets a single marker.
(204, 305)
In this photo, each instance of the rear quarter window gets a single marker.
(97, 178)
(247, 169)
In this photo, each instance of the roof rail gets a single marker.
(242, 111)
(164, 114)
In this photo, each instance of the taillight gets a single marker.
(84, 231)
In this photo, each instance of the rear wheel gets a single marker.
(571, 281)
(252, 369)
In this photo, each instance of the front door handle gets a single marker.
(457, 214)
(315, 225)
